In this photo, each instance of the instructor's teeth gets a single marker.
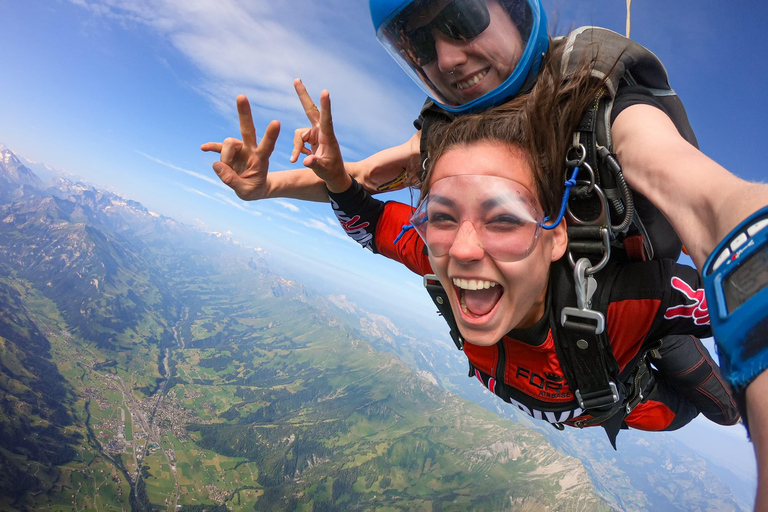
(472, 80)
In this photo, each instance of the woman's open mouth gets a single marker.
(477, 298)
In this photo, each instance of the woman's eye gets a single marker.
(505, 222)
(441, 220)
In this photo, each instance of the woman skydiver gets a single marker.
(492, 179)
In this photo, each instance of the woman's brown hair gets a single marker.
(541, 123)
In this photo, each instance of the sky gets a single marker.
(121, 93)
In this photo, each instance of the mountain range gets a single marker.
(147, 365)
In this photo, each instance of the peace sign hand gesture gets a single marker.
(244, 164)
(324, 156)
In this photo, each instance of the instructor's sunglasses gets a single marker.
(460, 20)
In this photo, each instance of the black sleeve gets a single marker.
(628, 95)
(358, 213)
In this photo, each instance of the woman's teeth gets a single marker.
(473, 284)
(472, 80)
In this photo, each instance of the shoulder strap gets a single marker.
(612, 56)
(582, 344)
(440, 298)
(640, 228)
(429, 114)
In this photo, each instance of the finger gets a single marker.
(229, 150)
(267, 144)
(309, 106)
(317, 166)
(211, 146)
(300, 137)
(326, 120)
(226, 174)
(247, 130)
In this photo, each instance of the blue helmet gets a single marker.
(467, 55)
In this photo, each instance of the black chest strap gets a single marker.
(430, 113)
(584, 351)
(440, 298)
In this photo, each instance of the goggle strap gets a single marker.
(568, 184)
(406, 227)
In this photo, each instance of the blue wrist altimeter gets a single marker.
(736, 287)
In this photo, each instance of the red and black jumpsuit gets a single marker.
(647, 301)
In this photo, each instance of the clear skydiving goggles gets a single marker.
(408, 34)
(504, 217)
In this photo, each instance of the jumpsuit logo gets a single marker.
(697, 311)
(356, 231)
(549, 416)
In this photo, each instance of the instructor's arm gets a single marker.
(701, 199)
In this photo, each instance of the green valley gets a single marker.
(147, 366)
(139, 374)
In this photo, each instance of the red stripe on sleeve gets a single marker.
(409, 250)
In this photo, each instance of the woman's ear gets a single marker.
(559, 241)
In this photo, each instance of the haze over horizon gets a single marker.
(121, 95)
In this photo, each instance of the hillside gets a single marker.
(139, 372)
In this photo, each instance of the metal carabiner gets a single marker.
(571, 163)
(606, 239)
(603, 219)
(585, 284)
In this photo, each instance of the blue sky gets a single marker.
(121, 93)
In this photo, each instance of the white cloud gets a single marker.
(328, 226)
(194, 174)
(223, 199)
(259, 47)
(288, 206)
(237, 204)
(200, 193)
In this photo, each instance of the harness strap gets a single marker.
(440, 298)
(430, 113)
(585, 353)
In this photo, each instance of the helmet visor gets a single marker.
(499, 214)
(459, 50)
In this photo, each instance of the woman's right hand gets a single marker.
(244, 164)
(324, 155)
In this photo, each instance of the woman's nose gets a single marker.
(450, 52)
(466, 246)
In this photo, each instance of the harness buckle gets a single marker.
(595, 320)
(639, 379)
(635, 401)
(601, 247)
(598, 399)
